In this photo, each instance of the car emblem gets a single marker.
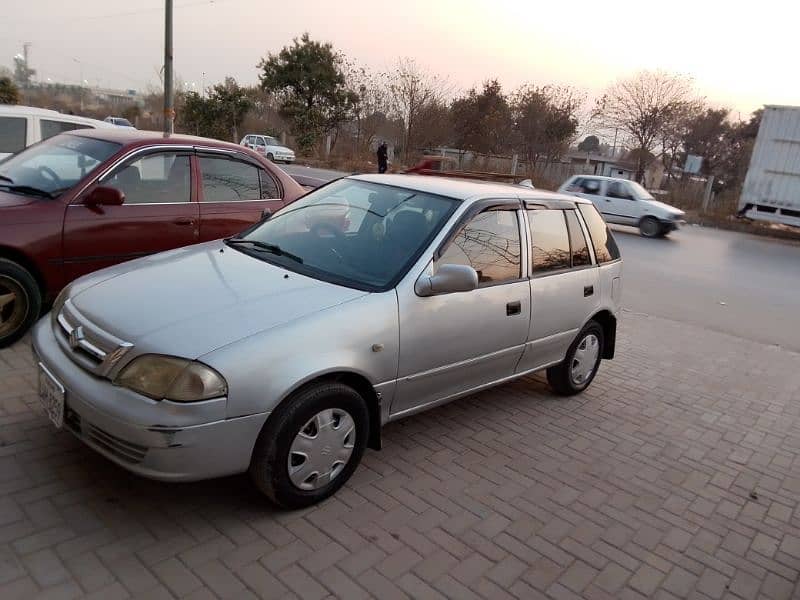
(326, 450)
(76, 336)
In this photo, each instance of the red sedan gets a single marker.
(88, 199)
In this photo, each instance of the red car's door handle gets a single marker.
(184, 221)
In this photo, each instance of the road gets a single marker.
(739, 284)
(734, 283)
(311, 173)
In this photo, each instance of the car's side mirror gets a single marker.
(446, 280)
(104, 196)
(266, 214)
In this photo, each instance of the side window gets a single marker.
(490, 244)
(589, 186)
(51, 128)
(550, 241)
(229, 180)
(617, 189)
(579, 249)
(159, 178)
(269, 189)
(13, 134)
(605, 248)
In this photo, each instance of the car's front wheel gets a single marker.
(271, 156)
(311, 445)
(579, 367)
(650, 227)
(20, 301)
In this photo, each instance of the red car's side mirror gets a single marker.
(104, 196)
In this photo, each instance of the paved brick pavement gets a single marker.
(640, 487)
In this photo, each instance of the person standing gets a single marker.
(383, 157)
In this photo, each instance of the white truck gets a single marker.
(771, 189)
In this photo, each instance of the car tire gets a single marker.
(270, 157)
(649, 227)
(325, 426)
(572, 376)
(20, 302)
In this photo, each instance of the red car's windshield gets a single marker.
(54, 165)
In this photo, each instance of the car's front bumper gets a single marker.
(160, 440)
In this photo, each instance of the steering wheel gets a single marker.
(51, 175)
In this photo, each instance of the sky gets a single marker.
(740, 55)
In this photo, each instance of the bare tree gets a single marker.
(641, 107)
(413, 89)
(373, 103)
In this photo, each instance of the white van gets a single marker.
(23, 126)
(626, 203)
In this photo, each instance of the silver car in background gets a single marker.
(284, 350)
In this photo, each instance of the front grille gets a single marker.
(126, 451)
(91, 347)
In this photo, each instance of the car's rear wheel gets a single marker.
(20, 301)
(580, 365)
(311, 445)
(650, 227)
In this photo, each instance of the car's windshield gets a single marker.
(352, 232)
(640, 192)
(56, 164)
(271, 141)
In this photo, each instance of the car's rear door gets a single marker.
(158, 213)
(235, 190)
(564, 285)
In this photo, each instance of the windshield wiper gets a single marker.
(27, 189)
(6, 178)
(271, 248)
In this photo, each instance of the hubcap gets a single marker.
(13, 305)
(649, 227)
(322, 449)
(584, 360)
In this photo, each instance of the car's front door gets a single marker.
(158, 213)
(235, 192)
(621, 205)
(453, 343)
(564, 285)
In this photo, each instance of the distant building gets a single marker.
(599, 164)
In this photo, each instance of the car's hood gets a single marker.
(664, 207)
(8, 199)
(282, 149)
(190, 301)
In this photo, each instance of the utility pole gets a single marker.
(169, 102)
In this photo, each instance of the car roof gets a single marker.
(603, 177)
(468, 189)
(33, 111)
(128, 135)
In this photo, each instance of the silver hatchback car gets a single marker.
(283, 350)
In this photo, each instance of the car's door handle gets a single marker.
(184, 221)
(513, 308)
(588, 290)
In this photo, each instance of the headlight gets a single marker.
(171, 378)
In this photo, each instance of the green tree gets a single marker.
(9, 93)
(309, 81)
(220, 114)
(591, 143)
(482, 120)
(545, 121)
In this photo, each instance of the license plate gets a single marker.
(51, 394)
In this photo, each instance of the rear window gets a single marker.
(13, 131)
(51, 128)
(550, 241)
(605, 248)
